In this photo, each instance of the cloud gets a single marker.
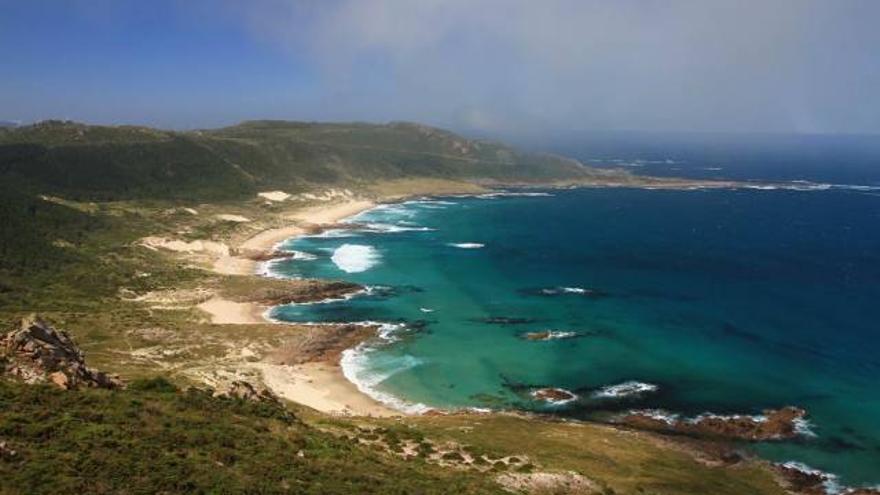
(786, 65)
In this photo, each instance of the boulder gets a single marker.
(38, 353)
(243, 390)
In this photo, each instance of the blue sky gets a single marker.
(489, 65)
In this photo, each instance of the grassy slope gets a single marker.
(112, 163)
(152, 438)
(163, 441)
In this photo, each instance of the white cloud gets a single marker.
(804, 65)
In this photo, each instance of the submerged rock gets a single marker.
(38, 353)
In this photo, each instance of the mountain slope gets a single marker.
(126, 162)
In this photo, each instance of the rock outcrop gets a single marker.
(778, 424)
(243, 390)
(38, 353)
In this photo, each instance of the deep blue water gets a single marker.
(729, 301)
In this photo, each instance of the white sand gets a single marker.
(209, 247)
(321, 386)
(223, 311)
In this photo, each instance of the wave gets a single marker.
(503, 194)
(550, 335)
(658, 414)
(830, 482)
(805, 185)
(392, 228)
(564, 291)
(426, 310)
(467, 245)
(332, 234)
(626, 389)
(804, 428)
(358, 368)
(430, 204)
(270, 269)
(355, 258)
(364, 291)
(299, 255)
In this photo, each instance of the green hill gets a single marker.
(81, 161)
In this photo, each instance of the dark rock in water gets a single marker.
(38, 353)
(505, 320)
(779, 424)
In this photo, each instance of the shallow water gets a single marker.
(727, 301)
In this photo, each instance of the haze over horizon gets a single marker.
(497, 67)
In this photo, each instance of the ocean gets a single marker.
(703, 301)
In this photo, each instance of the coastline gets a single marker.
(319, 383)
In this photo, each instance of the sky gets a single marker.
(494, 66)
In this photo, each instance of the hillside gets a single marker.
(126, 162)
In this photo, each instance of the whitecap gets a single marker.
(625, 389)
(392, 228)
(355, 258)
(332, 234)
(804, 428)
(467, 245)
(830, 482)
(502, 194)
(657, 414)
(426, 310)
(299, 255)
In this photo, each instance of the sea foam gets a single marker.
(355, 258)
(361, 369)
(625, 389)
(467, 245)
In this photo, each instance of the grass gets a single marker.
(154, 438)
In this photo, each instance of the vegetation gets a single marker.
(153, 438)
(86, 162)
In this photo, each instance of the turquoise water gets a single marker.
(726, 301)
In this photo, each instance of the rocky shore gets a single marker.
(778, 424)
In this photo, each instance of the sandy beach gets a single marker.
(318, 384)
(321, 386)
